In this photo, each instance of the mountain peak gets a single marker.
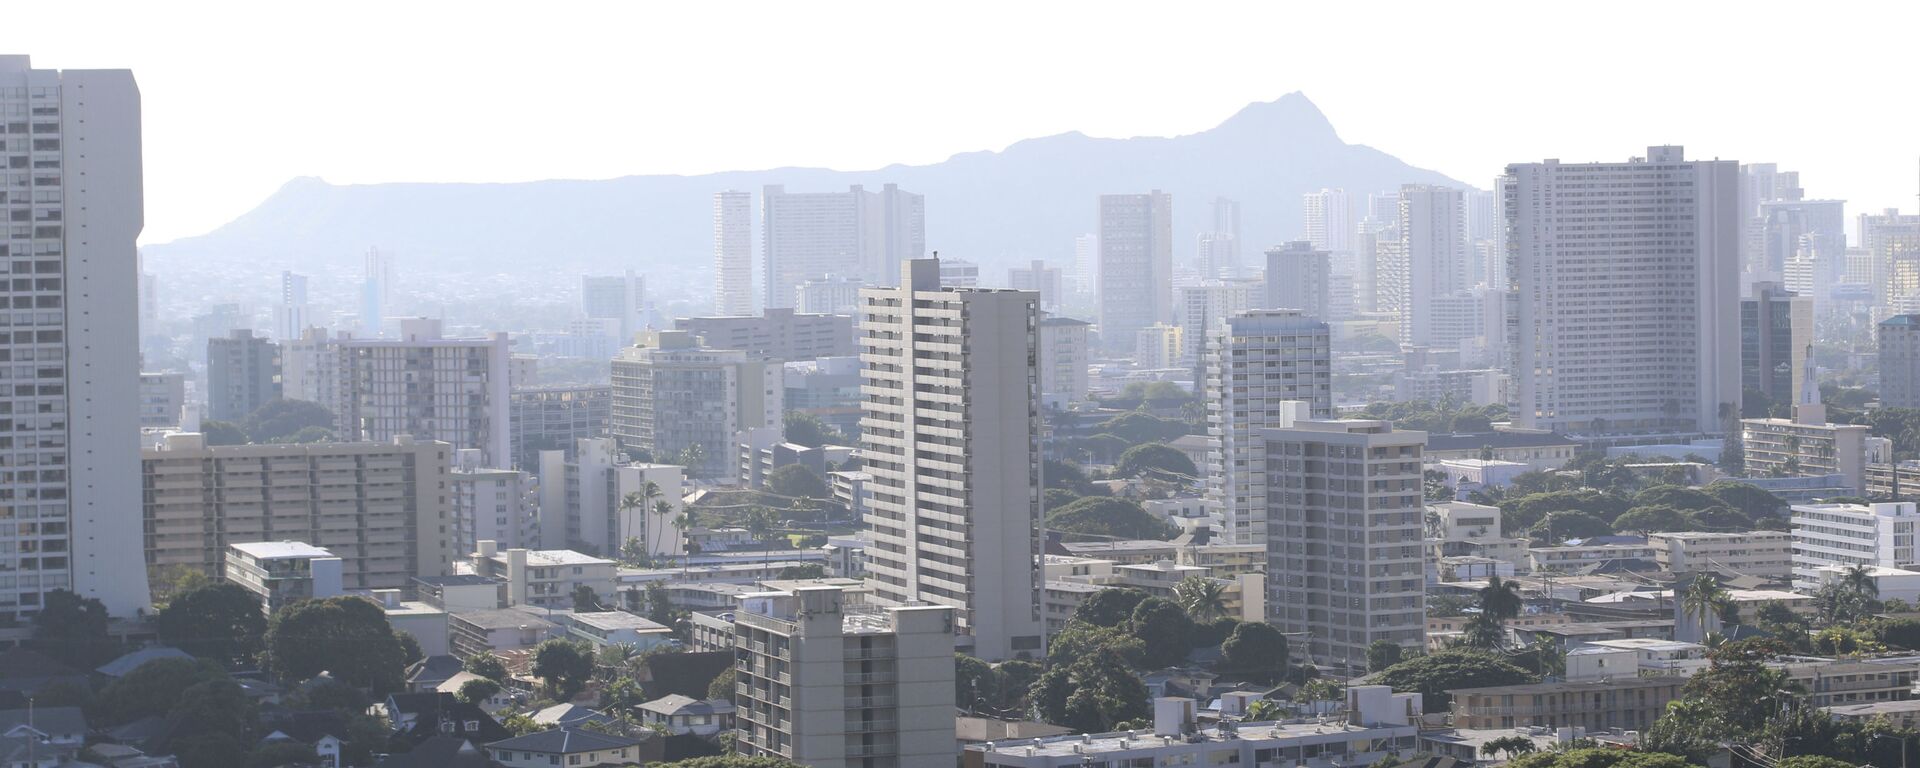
(1292, 114)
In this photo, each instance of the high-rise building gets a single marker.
(1626, 277)
(499, 505)
(957, 273)
(1433, 245)
(381, 507)
(243, 373)
(1158, 346)
(809, 235)
(618, 298)
(1892, 241)
(1899, 346)
(1345, 565)
(1040, 278)
(1219, 252)
(1198, 308)
(376, 292)
(1329, 218)
(548, 418)
(162, 395)
(1812, 231)
(1136, 265)
(70, 478)
(1086, 263)
(1265, 368)
(733, 253)
(420, 385)
(593, 499)
(671, 394)
(951, 436)
(829, 295)
(292, 314)
(1776, 330)
(1064, 354)
(1844, 535)
(1299, 276)
(780, 334)
(822, 681)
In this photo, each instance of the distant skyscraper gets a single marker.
(1329, 218)
(1433, 251)
(73, 470)
(1220, 247)
(672, 395)
(1040, 278)
(1892, 240)
(419, 385)
(955, 456)
(1265, 368)
(805, 236)
(1299, 277)
(1628, 297)
(1086, 263)
(733, 253)
(1776, 329)
(621, 298)
(1136, 265)
(1198, 308)
(376, 292)
(1900, 361)
(1063, 360)
(958, 273)
(243, 373)
(293, 314)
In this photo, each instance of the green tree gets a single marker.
(1705, 598)
(1382, 654)
(1205, 599)
(804, 571)
(585, 600)
(974, 683)
(1091, 695)
(564, 666)
(1679, 497)
(487, 665)
(1164, 630)
(277, 420)
(73, 629)
(1500, 598)
(1436, 673)
(477, 691)
(1080, 640)
(280, 753)
(307, 435)
(1066, 476)
(1156, 460)
(808, 430)
(1255, 649)
(1756, 504)
(1484, 632)
(520, 724)
(1015, 678)
(1811, 761)
(1903, 634)
(219, 620)
(1657, 518)
(212, 707)
(1511, 746)
(1560, 526)
(1109, 607)
(1522, 513)
(1598, 757)
(222, 433)
(1136, 428)
(409, 647)
(153, 688)
(347, 636)
(722, 686)
(1107, 517)
(1263, 710)
(208, 750)
(797, 481)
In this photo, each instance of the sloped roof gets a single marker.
(564, 741)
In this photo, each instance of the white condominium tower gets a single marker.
(1433, 248)
(376, 292)
(1345, 563)
(1136, 265)
(1626, 277)
(1329, 219)
(1265, 368)
(810, 235)
(619, 298)
(69, 468)
(950, 433)
(420, 385)
(732, 253)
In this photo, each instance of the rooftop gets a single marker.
(612, 620)
(458, 580)
(1123, 741)
(564, 741)
(502, 618)
(1616, 684)
(277, 550)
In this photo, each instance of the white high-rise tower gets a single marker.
(72, 467)
(733, 253)
(1136, 265)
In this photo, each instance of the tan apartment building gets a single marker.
(1630, 703)
(1751, 553)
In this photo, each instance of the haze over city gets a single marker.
(861, 385)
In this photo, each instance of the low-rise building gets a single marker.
(1645, 656)
(619, 628)
(682, 715)
(461, 592)
(1571, 558)
(1541, 450)
(1623, 702)
(493, 631)
(1767, 554)
(1904, 714)
(545, 577)
(1834, 683)
(282, 572)
(1847, 534)
(1807, 446)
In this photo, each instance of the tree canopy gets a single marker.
(1655, 518)
(218, 620)
(1436, 673)
(1109, 607)
(564, 665)
(1155, 459)
(1107, 516)
(808, 430)
(1092, 694)
(1257, 649)
(796, 480)
(1164, 630)
(346, 636)
(73, 629)
(1136, 428)
(1598, 757)
(280, 421)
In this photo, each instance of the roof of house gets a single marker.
(564, 741)
(674, 704)
(568, 715)
(440, 714)
(433, 669)
(47, 720)
(120, 667)
(440, 752)
(305, 727)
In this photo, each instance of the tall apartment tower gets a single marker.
(72, 257)
(618, 298)
(950, 433)
(1433, 248)
(733, 253)
(672, 395)
(292, 314)
(1345, 565)
(1136, 265)
(1329, 218)
(824, 682)
(421, 385)
(1776, 330)
(810, 235)
(1039, 278)
(1900, 361)
(1198, 308)
(1086, 263)
(1063, 361)
(1220, 246)
(1892, 240)
(1626, 280)
(1299, 276)
(243, 373)
(1265, 368)
(376, 292)
(486, 504)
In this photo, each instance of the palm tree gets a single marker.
(1261, 710)
(1514, 746)
(1205, 599)
(1859, 580)
(681, 523)
(1705, 598)
(1500, 599)
(760, 522)
(1551, 659)
(656, 535)
(632, 501)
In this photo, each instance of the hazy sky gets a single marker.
(241, 97)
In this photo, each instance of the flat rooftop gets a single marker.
(617, 620)
(279, 550)
(1616, 684)
(1143, 741)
